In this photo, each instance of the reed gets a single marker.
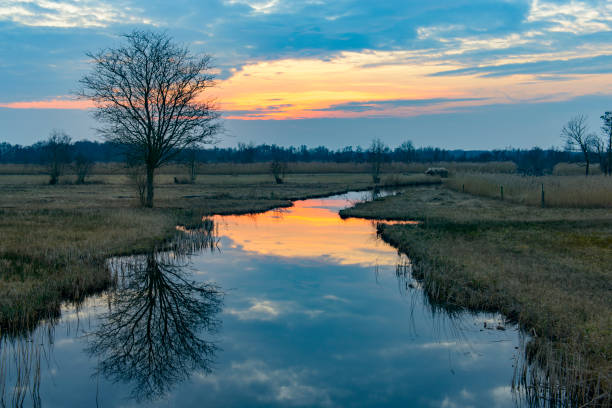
(575, 169)
(559, 191)
(228, 168)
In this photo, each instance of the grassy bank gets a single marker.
(547, 269)
(54, 240)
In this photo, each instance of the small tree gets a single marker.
(278, 168)
(149, 96)
(57, 150)
(577, 139)
(605, 144)
(137, 176)
(191, 160)
(82, 167)
(599, 148)
(376, 157)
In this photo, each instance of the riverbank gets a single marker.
(547, 269)
(54, 240)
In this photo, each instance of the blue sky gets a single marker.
(456, 74)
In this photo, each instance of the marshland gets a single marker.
(539, 272)
(179, 228)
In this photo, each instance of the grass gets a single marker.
(559, 191)
(54, 240)
(263, 168)
(546, 269)
(575, 169)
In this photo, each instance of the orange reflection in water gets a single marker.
(309, 229)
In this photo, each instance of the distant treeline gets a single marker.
(529, 161)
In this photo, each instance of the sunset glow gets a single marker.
(289, 67)
(305, 229)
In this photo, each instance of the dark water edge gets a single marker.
(293, 307)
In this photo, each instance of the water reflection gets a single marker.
(153, 334)
(312, 317)
(309, 229)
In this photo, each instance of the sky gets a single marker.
(468, 74)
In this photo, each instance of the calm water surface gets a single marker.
(292, 307)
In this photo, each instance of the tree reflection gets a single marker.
(152, 335)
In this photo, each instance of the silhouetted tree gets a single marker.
(376, 157)
(149, 96)
(576, 136)
(82, 167)
(278, 168)
(57, 154)
(604, 145)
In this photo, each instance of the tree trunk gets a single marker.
(150, 186)
(586, 159)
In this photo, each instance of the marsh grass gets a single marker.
(178, 169)
(546, 269)
(559, 191)
(575, 169)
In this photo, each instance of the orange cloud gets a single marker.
(307, 88)
(314, 88)
(50, 104)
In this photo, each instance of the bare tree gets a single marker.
(605, 144)
(376, 157)
(136, 174)
(278, 168)
(192, 164)
(576, 136)
(149, 97)
(57, 150)
(82, 167)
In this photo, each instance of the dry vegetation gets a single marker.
(547, 269)
(264, 168)
(574, 169)
(559, 191)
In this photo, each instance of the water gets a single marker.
(292, 307)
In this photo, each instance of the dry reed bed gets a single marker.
(559, 191)
(575, 169)
(264, 168)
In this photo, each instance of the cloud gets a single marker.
(67, 13)
(601, 64)
(260, 310)
(265, 7)
(270, 310)
(576, 17)
(59, 103)
(287, 386)
(392, 103)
